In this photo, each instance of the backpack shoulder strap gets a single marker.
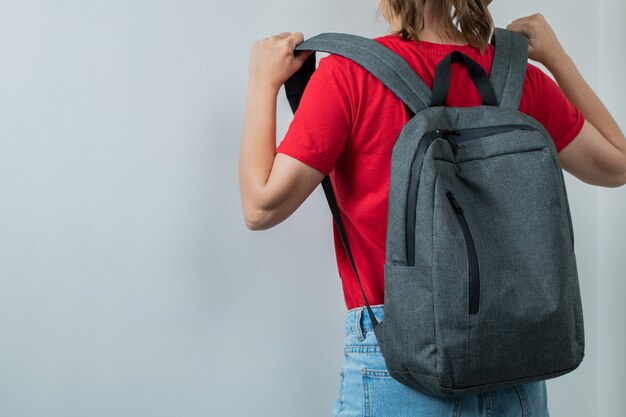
(508, 69)
(390, 68)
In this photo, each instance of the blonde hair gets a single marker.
(471, 16)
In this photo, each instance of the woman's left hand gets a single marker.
(272, 60)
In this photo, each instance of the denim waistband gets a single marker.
(358, 319)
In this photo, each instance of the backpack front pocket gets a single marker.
(472, 257)
(503, 213)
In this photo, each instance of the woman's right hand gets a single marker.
(543, 45)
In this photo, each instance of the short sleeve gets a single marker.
(321, 126)
(543, 100)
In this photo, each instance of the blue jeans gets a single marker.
(367, 389)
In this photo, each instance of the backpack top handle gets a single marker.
(441, 83)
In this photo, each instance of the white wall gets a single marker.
(129, 285)
(611, 276)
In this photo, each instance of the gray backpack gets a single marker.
(481, 284)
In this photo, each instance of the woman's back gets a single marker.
(346, 127)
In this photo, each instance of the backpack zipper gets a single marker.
(445, 134)
(472, 256)
(463, 135)
(477, 132)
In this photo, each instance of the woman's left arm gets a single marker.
(272, 185)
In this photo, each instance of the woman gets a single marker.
(346, 126)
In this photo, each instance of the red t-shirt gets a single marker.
(346, 126)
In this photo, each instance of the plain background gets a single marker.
(129, 285)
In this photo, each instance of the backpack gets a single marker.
(481, 285)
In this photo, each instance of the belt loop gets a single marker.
(357, 325)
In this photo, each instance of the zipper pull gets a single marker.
(455, 204)
(445, 134)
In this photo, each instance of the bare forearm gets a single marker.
(258, 143)
(583, 97)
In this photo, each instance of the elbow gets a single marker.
(257, 219)
(260, 213)
(607, 181)
(614, 180)
(254, 226)
(622, 178)
(620, 181)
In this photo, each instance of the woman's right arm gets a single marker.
(597, 155)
